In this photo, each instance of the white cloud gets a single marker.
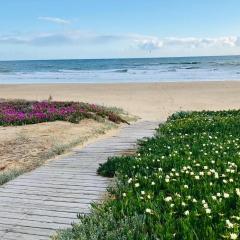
(62, 38)
(55, 20)
(153, 43)
(130, 42)
(149, 44)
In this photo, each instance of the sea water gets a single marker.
(181, 69)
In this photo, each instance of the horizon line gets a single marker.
(117, 58)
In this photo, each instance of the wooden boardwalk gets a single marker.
(36, 204)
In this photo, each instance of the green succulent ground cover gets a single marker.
(184, 183)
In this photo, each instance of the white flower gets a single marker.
(219, 194)
(178, 195)
(148, 210)
(214, 197)
(129, 180)
(208, 211)
(205, 205)
(184, 204)
(229, 224)
(235, 217)
(171, 205)
(185, 186)
(142, 192)
(186, 213)
(153, 183)
(233, 236)
(148, 196)
(137, 185)
(197, 177)
(225, 195)
(238, 191)
(168, 199)
(194, 200)
(124, 194)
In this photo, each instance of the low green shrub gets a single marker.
(113, 165)
(184, 183)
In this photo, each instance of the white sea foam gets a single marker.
(121, 70)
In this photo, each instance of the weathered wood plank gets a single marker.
(37, 218)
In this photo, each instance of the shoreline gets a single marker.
(150, 101)
(123, 83)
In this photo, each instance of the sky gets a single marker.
(76, 29)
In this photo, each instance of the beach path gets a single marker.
(36, 204)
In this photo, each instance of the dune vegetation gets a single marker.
(32, 132)
(20, 112)
(184, 183)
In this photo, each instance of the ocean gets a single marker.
(180, 69)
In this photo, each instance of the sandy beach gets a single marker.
(150, 101)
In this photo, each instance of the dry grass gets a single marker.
(24, 148)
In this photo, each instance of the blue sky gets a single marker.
(60, 29)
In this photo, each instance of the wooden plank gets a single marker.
(53, 192)
(41, 218)
(36, 194)
(23, 236)
(41, 212)
(43, 224)
(26, 230)
(30, 206)
(47, 199)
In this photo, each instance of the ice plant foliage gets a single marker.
(29, 112)
(184, 183)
